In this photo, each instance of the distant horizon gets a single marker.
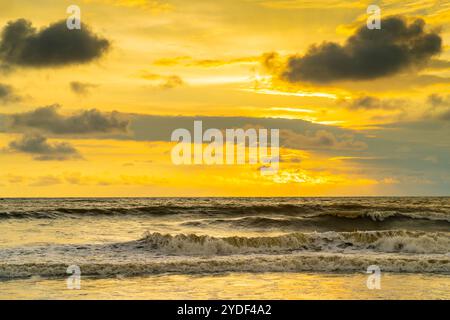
(212, 197)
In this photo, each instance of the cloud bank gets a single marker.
(368, 54)
(320, 139)
(38, 146)
(373, 103)
(23, 45)
(81, 88)
(49, 120)
(7, 94)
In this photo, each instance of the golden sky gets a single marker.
(89, 113)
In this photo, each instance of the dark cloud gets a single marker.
(160, 128)
(38, 146)
(436, 100)
(445, 115)
(81, 88)
(373, 103)
(271, 61)
(294, 133)
(7, 94)
(320, 139)
(440, 106)
(23, 45)
(439, 64)
(48, 119)
(5, 68)
(368, 54)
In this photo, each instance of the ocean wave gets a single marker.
(299, 262)
(155, 253)
(342, 211)
(380, 215)
(378, 241)
(55, 213)
(321, 223)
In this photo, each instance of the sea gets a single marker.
(225, 248)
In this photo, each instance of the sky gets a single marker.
(90, 112)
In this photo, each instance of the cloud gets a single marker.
(437, 100)
(169, 62)
(445, 115)
(37, 145)
(301, 4)
(77, 178)
(439, 106)
(7, 94)
(165, 82)
(372, 103)
(5, 68)
(368, 54)
(320, 139)
(294, 133)
(272, 61)
(439, 64)
(81, 88)
(45, 181)
(23, 45)
(150, 5)
(206, 63)
(88, 121)
(172, 82)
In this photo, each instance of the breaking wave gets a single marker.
(350, 211)
(292, 235)
(155, 253)
(300, 262)
(379, 241)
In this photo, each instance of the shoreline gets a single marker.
(290, 286)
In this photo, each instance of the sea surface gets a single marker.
(202, 248)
